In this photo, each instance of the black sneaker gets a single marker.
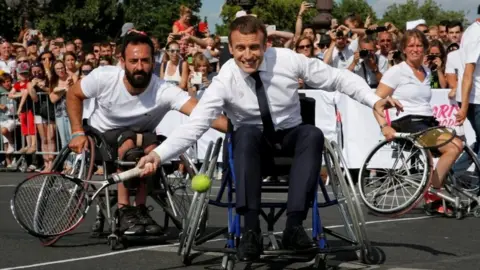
(128, 221)
(151, 227)
(250, 247)
(97, 227)
(295, 238)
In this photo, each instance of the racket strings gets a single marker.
(49, 204)
(435, 137)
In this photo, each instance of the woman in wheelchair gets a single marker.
(409, 82)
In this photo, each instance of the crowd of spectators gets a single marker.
(36, 71)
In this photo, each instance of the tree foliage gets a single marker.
(345, 8)
(281, 13)
(430, 11)
(92, 20)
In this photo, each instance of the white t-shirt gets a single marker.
(470, 53)
(454, 66)
(414, 95)
(115, 107)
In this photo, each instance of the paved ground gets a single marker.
(412, 242)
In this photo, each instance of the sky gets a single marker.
(212, 8)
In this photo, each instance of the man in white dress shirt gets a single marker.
(237, 90)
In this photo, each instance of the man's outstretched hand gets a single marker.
(149, 164)
(387, 103)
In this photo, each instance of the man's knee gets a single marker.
(312, 135)
(248, 133)
(124, 147)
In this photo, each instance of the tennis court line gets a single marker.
(4, 186)
(176, 244)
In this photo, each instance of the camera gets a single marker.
(431, 57)
(364, 54)
(397, 55)
(339, 33)
(376, 30)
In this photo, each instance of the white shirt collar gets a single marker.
(262, 67)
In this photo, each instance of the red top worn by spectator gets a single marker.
(181, 27)
(27, 120)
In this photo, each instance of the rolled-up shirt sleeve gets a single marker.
(319, 75)
(207, 110)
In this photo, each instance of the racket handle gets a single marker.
(127, 175)
(402, 135)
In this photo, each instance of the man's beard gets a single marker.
(138, 81)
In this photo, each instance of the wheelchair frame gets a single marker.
(162, 194)
(349, 207)
(463, 200)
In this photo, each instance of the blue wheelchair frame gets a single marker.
(233, 230)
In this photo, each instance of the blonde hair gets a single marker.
(200, 59)
(185, 10)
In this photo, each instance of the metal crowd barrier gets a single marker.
(42, 113)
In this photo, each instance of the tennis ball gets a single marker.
(201, 183)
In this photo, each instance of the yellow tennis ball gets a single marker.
(201, 183)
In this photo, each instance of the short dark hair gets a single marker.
(367, 40)
(453, 24)
(248, 25)
(444, 23)
(136, 39)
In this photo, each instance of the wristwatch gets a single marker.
(384, 125)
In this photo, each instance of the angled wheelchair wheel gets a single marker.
(464, 178)
(366, 250)
(394, 177)
(198, 211)
(348, 205)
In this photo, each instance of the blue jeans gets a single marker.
(64, 130)
(473, 115)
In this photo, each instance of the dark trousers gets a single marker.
(253, 158)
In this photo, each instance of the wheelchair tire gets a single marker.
(190, 227)
(464, 180)
(349, 211)
(405, 145)
(356, 202)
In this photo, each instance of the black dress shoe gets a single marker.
(250, 247)
(295, 238)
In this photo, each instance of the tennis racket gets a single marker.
(52, 204)
(434, 137)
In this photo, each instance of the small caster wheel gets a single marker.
(459, 214)
(186, 260)
(230, 264)
(116, 243)
(476, 212)
(366, 256)
(320, 262)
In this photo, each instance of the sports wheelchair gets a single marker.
(171, 194)
(194, 236)
(404, 171)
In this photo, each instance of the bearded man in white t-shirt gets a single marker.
(128, 101)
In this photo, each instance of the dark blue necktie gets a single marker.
(268, 127)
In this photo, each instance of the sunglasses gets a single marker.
(173, 51)
(96, 51)
(23, 61)
(86, 72)
(302, 47)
